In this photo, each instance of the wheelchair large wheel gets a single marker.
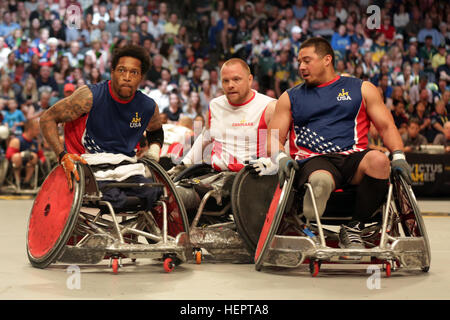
(251, 196)
(281, 199)
(177, 216)
(53, 217)
(411, 219)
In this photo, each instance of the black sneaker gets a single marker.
(350, 238)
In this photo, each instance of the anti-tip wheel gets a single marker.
(115, 266)
(168, 265)
(314, 268)
(198, 256)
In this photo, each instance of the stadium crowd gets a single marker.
(49, 48)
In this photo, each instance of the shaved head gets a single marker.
(234, 61)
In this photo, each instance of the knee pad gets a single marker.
(322, 184)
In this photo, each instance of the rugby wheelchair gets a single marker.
(220, 208)
(10, 184)
(77, 226)
(395, 237)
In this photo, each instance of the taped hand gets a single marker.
(285, 163)
(68, 163)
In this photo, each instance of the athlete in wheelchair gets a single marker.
(102, 201)
(24, 166)
(379, 220)
(234, 135)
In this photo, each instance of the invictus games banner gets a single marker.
(430, 174)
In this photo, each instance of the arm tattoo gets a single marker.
(68, 109)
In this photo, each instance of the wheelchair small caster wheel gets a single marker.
(115, 266)
(169, 265)
(314, 267)
(198, 256)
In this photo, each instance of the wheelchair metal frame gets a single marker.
(394, 250)
(93, 236)
(219, 239)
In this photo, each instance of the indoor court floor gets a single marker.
(146, 280)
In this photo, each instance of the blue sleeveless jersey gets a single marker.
(112, 125)
(330, 118)
(28, 145)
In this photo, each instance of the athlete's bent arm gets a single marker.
(68, 109)
(155, 135)
(383, 121)
(279, 125)
(277, 132)
(381, 117)
(65, 110)
(195, 154)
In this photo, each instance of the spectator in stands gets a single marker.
(24, 151)
(24, 52)
(45, 81)
(412, 139)
(429, 31)
(388, 29)
(98, 55)
(160, 94)
(417, 91)
(386, 88)
(340, 41)
(51, 54)
(41, 105)
(57, 31)
(74, 55)
(154, 74)
(193, 106)
(400, 117)
(284, 73)
(300, 10)
(438, 118)
(443, 138)
(196, 79)
(401, 18)
(27, 97)
(6, 88)
(7, 26)
(172, 26)
(443, 71)
(13, 118)
(155, 26)
(439, 58)
(174, 110)
(375, 141)
(427, 51)
(205, 95)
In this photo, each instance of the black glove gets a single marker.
(400, 165)
(285, 163)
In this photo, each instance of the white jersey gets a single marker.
(238, 132)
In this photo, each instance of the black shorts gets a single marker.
(342, 167)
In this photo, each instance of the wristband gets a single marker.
(398, 155)
(61, 155)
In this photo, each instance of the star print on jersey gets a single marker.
(90, 145)
(310, 140)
